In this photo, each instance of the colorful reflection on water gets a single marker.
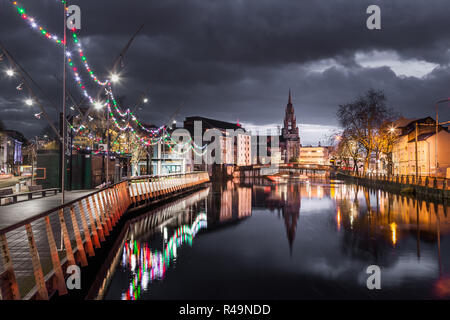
(147, 265)
(301, 239)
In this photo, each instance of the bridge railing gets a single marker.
(35, 253)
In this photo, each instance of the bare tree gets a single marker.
(362, 121)
(349, 149)
(385, 143)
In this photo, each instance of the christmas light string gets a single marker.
(43, 31)
(55, 39)
(36, 26)
(133, 117)
(84, 61)
(77, 76)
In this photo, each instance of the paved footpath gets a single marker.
(19, 249)
(14, 213)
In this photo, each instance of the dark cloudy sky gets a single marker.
(236, 59)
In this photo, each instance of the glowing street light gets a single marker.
(9, 72)
(145, 100)
(29, 102)
(98, 105)
(115, 78)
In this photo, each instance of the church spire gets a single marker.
(290, 97)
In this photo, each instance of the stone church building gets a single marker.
(290, 139)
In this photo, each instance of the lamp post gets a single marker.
(63, 119)
(436, 163)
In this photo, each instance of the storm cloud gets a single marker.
(235, 60)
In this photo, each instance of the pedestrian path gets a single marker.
(15, 213)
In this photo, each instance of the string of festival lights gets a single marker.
(165, 136)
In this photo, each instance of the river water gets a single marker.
(299, 239)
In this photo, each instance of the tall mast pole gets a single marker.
(436, 163)
(63, 145)
(107, 147)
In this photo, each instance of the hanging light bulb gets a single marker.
(29, 102)
(145, 100)
(10, 72)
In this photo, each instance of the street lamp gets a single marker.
(98, 105)
(10, 72)
(29, 102)
(115, 78)
(145, 100)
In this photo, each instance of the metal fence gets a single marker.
(35, 253)
(423, 181)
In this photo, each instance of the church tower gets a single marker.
(290, 129)
(290, 139)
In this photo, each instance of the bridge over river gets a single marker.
(265, 170)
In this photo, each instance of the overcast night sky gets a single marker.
(237, 59)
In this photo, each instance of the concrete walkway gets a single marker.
(14, 213)
(9, 183)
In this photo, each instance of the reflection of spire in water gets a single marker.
(287, 199)
(291, 213)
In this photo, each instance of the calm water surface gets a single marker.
(298, 240)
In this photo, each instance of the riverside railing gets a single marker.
(438, 183)
(35, 253)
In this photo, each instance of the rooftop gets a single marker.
(212, 123)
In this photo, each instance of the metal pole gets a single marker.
(33, 159)
(63, 145)
(417, 160)
(107, 147)
(436, 141)
(148, 160)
